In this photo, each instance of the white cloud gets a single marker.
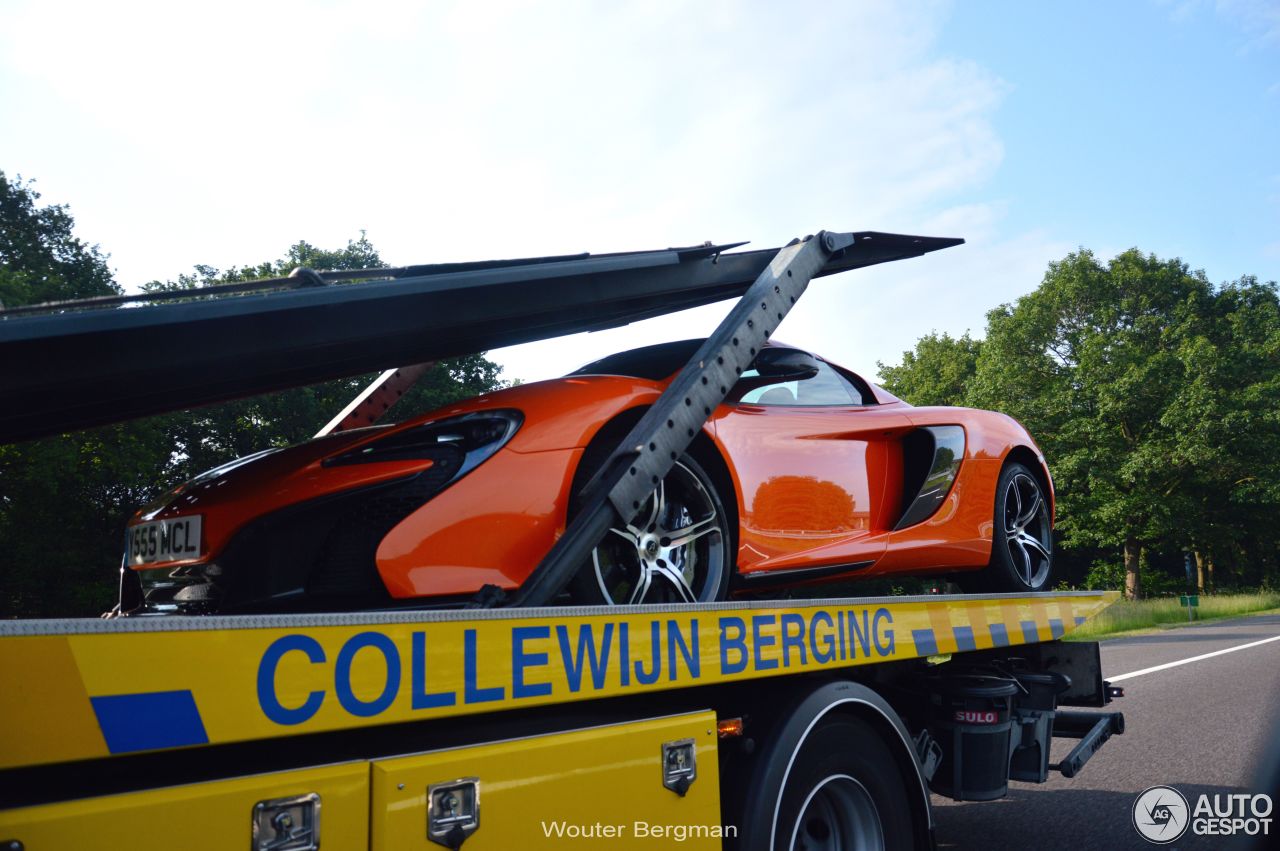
(1257, 20)
(452, 132)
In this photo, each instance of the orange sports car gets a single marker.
(806, 473)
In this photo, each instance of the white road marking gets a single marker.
(1152, 670)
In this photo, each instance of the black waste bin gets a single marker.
(971, 719)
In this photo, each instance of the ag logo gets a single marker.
(1161, 814)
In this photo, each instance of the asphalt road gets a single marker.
(1201, 727)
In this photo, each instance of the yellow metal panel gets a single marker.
(43, 691)
(215, 815)
(156, 686)
(601, 786)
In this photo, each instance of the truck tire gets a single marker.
(843, 790)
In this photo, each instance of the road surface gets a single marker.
(1201, 727)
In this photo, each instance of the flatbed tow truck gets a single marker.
(510, 722)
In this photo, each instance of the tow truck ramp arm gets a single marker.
(77, 365)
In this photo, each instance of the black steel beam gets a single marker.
(75, 368)
(1091, 728)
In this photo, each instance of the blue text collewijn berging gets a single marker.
(579, 657)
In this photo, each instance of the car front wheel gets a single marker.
(675, 550)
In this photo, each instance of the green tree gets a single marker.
(936, 372)
(1156, 398)
(40, 257)
(1227, 421)
(64, 500)
(1128, 375)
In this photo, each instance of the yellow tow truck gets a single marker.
(510, 722)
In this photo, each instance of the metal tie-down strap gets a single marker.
(667, 429)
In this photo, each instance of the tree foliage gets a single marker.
(40, 257)
(64, 500)
(1155, 396)
(936, 372)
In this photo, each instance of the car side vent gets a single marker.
(925, 487)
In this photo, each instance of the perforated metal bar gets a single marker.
(376, 399)
(667, 429)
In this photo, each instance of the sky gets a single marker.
(221, 134)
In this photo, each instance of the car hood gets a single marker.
(240, 478)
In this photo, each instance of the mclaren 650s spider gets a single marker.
(807, 473)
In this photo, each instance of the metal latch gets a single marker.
(453, 811)
(679, 765)
(287, 824)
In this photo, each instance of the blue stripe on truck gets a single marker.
(925, 643)
(149, 721)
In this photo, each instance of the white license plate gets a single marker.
(175, 539)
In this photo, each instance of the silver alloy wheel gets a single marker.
(1027, 530)
(839, 813)
(672, 551)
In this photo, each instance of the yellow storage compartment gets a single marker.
(644, 783)
(295, 810)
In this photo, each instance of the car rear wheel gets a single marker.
(1022, 539)
(675, 550)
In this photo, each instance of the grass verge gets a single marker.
(1127, 616)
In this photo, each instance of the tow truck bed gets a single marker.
(127, 732)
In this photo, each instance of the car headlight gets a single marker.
(464, 441)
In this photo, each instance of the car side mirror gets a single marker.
(778, 364)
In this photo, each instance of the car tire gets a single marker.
(843, 791)
(676, 550)
(1021, 538)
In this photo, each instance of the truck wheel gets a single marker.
(843, 791)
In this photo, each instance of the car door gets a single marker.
(812, 462)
